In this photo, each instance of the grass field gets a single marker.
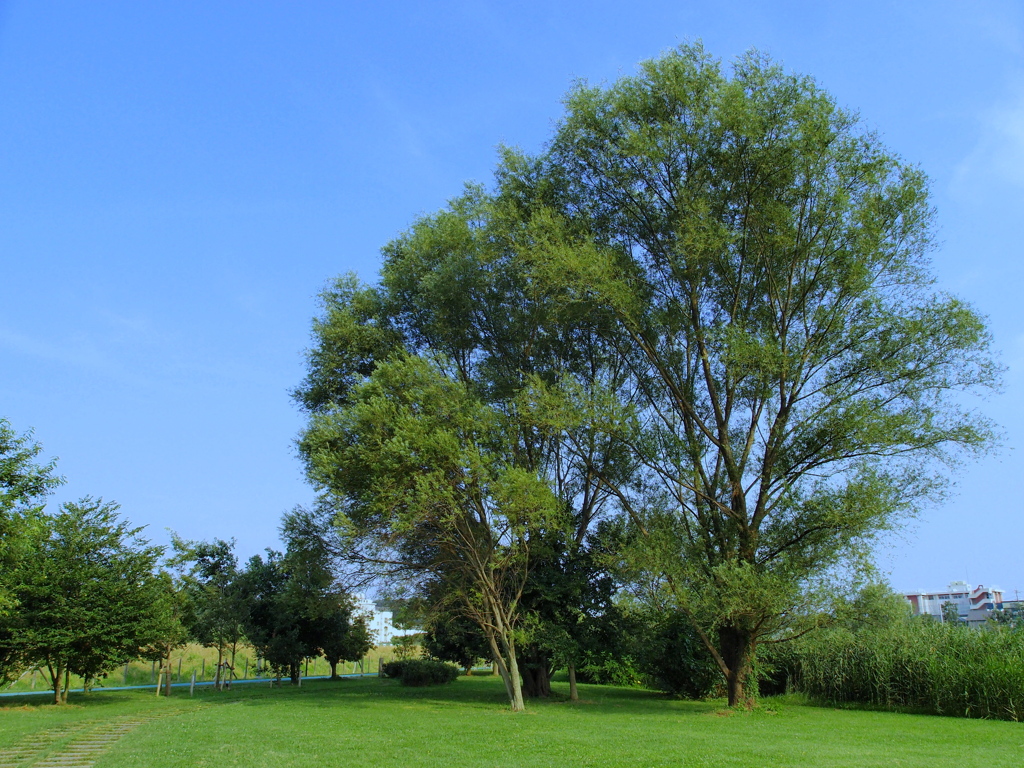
(375, 722)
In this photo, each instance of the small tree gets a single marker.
(216, 610)
(431, 491)
(1011, 617)
(950, 613)
(295, 608)
(344, 636)
(88, 596)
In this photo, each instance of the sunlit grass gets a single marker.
(374, 722)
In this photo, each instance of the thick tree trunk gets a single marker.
(536, 683)
(334, 669)
(536, 669)
(574, 694)
(294, 670)
(737, 649)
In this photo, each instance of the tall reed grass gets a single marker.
(945, 669)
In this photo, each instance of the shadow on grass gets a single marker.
(368, 693)
(476, 692)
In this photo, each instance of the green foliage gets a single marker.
(454, 638)
(24, 483)
(672, 658)
(344, 635)
(420, 672)
(214, 609)
(787, 364)
(950, 613)
(406, 646)
(88, 599)
(294, 608)
(1011, 617)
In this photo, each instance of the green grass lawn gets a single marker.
(375, 722)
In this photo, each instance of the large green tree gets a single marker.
(792, 374)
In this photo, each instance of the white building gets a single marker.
(381, 623)
(973, 606)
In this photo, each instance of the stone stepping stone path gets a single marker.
(88, 742)
(35, 744)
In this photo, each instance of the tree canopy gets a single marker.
(24, 483)
(88, 597)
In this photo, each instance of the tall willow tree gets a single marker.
(793, 377)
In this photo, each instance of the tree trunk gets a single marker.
(220, 659)
(574, 694)
(509, 671)
(56, 676)
(737, 649)
(67, 684)
(167, 684)
(334, 669)
(293, 671)
(517, 690)
(536, 670)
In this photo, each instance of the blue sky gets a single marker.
(179, 180)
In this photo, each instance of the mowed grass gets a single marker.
(372, 722)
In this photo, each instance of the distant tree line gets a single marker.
(82, 592)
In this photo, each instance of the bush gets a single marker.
(392, 669)
(673, 659)
(420, 672)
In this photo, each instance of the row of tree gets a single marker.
(690, 355)
(82, 592)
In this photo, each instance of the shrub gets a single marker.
(672, 658)
(392, 668)
(420, 672)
